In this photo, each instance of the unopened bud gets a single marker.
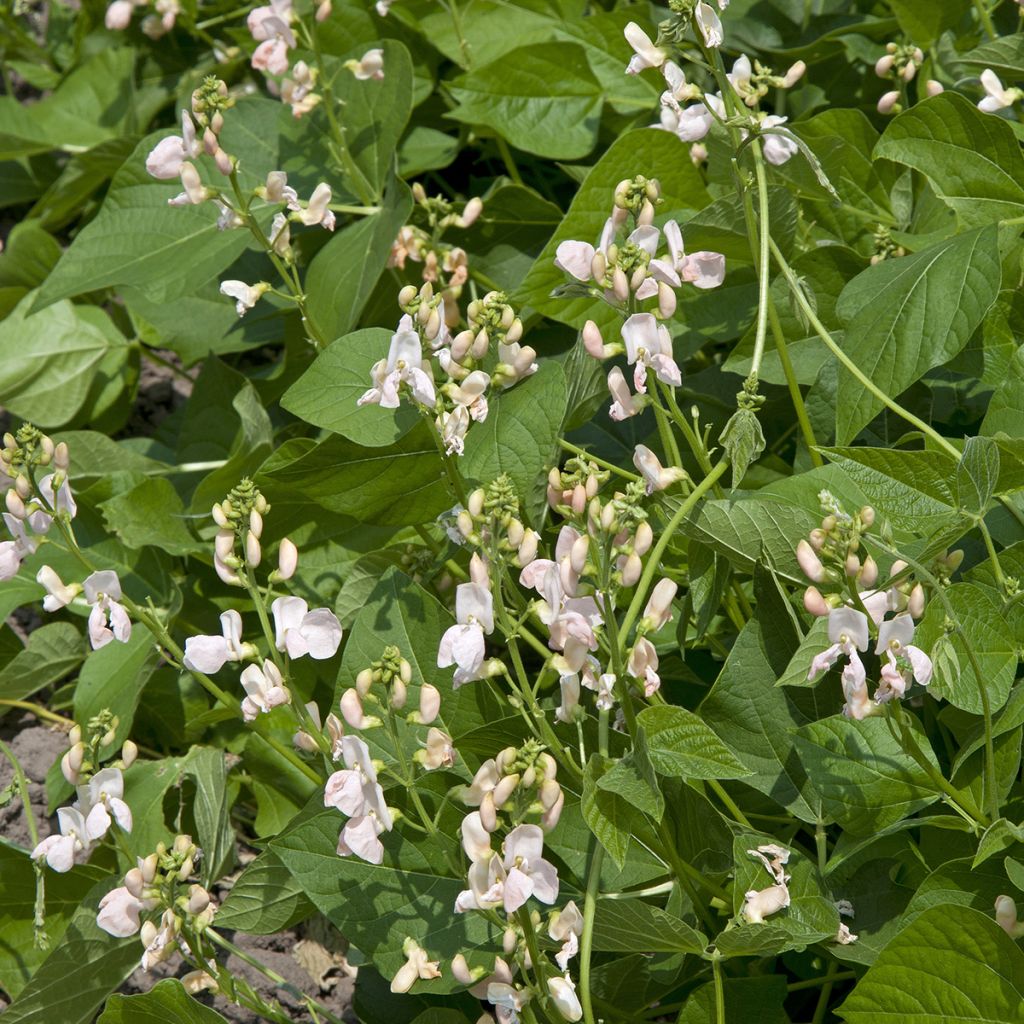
(915, 602)
(471, 211)
(815, 603)
(134, 882)
(352, 708)
(430, 703)
(852, 566)
(884, 65)
(287, 559)
(809, 562)
(198, 899)
(475, 502)
(504, 758)
(933, 88)
(620, 284)
(61, 456)
(592, 340)
(399, 694)
(488, 813)
(253, 551)
(129, 752)
(632, 569)
(869, 573)
(578, 553)
(889, 103)
(464, 521)
(504, 790)
(666, 300)
(528, 548)
(219, 516)
(408, 293)
(15, 505)
(71, 763)
(256, 523)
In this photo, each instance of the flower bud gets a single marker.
(75, 735)
(471, 211)
(632, 569)
(869, 573)
(475, 502)
(352, 708)
(253, 552)
(852, 566)
(620, 284)
(62, 456)
(430, 703)
(256, 523)
(666, 300)
(889, 103)
(15, 505)
(461, 971)
(148, 868)
(505, 758)
(504, 790)
(598, 266)
(809, 562)
(287, 559)
(915, 603)
(933, 88)
(528, 548)
(592, 340)
(71, 763)
(407, 294)
(224, 544)
(529, 777)
(323, 11)
(488, 813)
(549, 819)
(219, 516)
(794, 74)
(129, 752)
(1006, 915)
(148, 933)
(399, 694)
(815, 603)
(23, 486)
(884, 65)
(515, 532)
(509, 941)
(578, 553)
(135, 883)
(464, 521)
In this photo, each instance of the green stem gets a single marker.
(595, 860)
(763, 261)
(610, 466)
(39, 711)
(993, 557)
(719, 790)
(716, 968)
(508, 160)
(826, 993)
(800, 986)
(793, 385)
(985, 16)
(849, 364)
(22, 783)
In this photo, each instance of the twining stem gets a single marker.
(39, 711)
(862, 378)
(610, 466)
(595, 861)
(826, 993)
(793, 385)
(716, 968)
(763, 262)
(985, 16)
(654, 559)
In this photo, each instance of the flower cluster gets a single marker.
(161, 882)
(423, 337)
(32, 504)
(156, 24)
(899, 65)
(831, 558)
(100, 795)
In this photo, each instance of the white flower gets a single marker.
(529, 874)
(58, 595)
(848, 633)
(119, 15)
(656, 477)
(623, 401)
(563, 995)
(575, 258)
(777, 148)
(643, 665)
(659, 605)
(998, 97)
(701, 269)
(710, 24)
(416, 966)
(105, 791)
(103, 592)
(264, 690)
(245, 295)
(356, 792)
(463, 644)
(119, 913)
(904, 659)
(300, 631)
(648, 344)
(208, 654)
(645, 53)
(566, 927)
(62, 502)
(167, 156)
(316, 211)
(404, 365)
(759, 904)
(78, 835)
(370, 65)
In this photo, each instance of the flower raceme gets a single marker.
(356, 792)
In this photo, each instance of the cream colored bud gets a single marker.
(15, 505)
(794, 74)
(461, 972)
(430, 703)
(646, 215)
(23, 486)
(134, 882)
(1006, 915)
(148, 932)
(643, 539)
(504, 758)
(464, 521)
(889, 103)
(75, 735)
(488, 813)
(884, 65)
(287, 559)
(528, 548)
(815, 603)
(129, 752)
(504, 790)
(666, 300)
(869, 573)
(632, 569)
(256, 523)
(406, 295)
(71, 763)
(852, 566)
(399, 694)
(61, 456)
(637, 278)
(148, 867)
(592, 340)
(352, 708)
(224, 544)
(198, 899)
(915, 602)
(933, 88)
(419, 193)
(809, 562)
(219, 517)
(578, 553)
(364, 682)
(515, 533)
(471, 211)
(608, 517)
(529, 777)
(480, 344)
(515, 332)
(598, 267)
(253, 551)
(620, 284)
(186, 869)
(475, 502)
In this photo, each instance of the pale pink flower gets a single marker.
(317, 210)
(166, 158)
(356, 792)
(659, 606)
(265, 690)
(656, 477)
(648, 344)
(272, 55)
(103, 592)
(645, 53)
(905, 661)
(300, 631)
(404, 365)
(643, 665)
(208, 654)
(566, 927)
(701, 269)
(463, 644)
(119, 15)
(264, 22)
(58, 594)
(529, 874)
(575, 258)
(78, 834)
(848, 633)
(624, 403)
(370, 65)
(119, 913)
(778, 148)
(105, 790)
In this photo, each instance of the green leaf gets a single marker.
(264, 899)
(977, 474)
(746, 999)
(81, 970)
(49, 359)
(924, 21)
(659, 154)
(343, 274)
(742, 440)
(999, 836)
(921, 974)
(399, 485)
(864, 779)
(1005, 56)
(166, 1001)
(327, 393)
(95, 455)
(960, 883)
(913, 490)
(543, 99)
(113, 677)
(609, 816)
(374, 112)
(972, 159)
(215, 835)
(520, 437)
(624, 926)
(19, 956)
(376, 906)
(633, 778)
(757, 720)
(991, 638)
(54, 650)
(682, 746)
(151, 513)
(907, 316)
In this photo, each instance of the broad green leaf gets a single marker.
(164, 251)
(151, 513)
(972, 159)
(609, 816)
(990, 638)
(999, 836)
(326, 395)
(977, 475)
(863, 777)
(952, 965)
(682, 746)
(49, 359)
(399, 485)
(113, 678)
(924, 21)
(623, 926)
(907, 316)
(961, 883)
(19, 957)
(95, 455)
(374, 113)
(520, 437)
(264, 899)
(1004, 55)
(719, 226)
(166, 1001)
(54, 651)
(657, 154)
(80, 972)
(343, 274)
(543, 99)
(757, 720)
(376, 906)
(913, 490)
(214, 832)
(633, 778)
